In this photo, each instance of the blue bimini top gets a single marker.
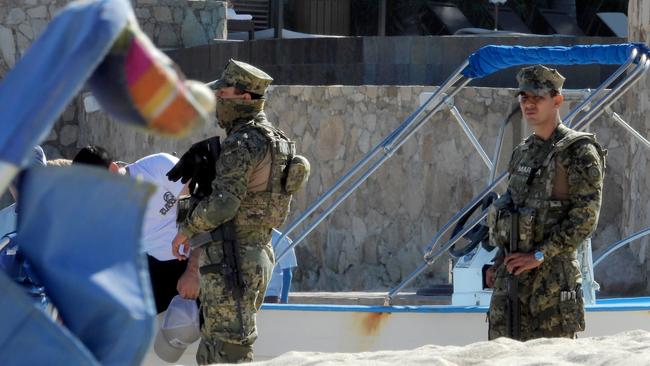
(490, 59)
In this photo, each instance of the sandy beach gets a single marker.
(628, 348)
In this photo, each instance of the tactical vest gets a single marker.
(269, 207)
(533, 194)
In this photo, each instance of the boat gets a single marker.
(462, 319)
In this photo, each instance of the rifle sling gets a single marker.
(514, 325)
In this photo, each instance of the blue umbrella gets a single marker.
(79, 228)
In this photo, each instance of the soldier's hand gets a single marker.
(489, 276)
(188, 285)
(518, 263)
(180, 241)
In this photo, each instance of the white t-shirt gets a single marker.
(159, 226)
(288, 261)
(7, 220)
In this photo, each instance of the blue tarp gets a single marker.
(53, 71)
(29, 337)
(79, 227)
(490, 59)
(15, 267)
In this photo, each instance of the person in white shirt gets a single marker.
(169, 277)
(278, 289)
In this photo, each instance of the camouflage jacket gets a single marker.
(241, 151)
(556, 186)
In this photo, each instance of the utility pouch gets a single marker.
(572, 311)
(500, 220)
(526, 225)
(297, 174)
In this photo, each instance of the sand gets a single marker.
(629, 348)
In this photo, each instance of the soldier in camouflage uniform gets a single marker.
(553, 199)
(252, 191)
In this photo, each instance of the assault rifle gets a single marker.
(513, 324)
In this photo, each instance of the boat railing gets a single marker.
(637, 64)
(633, 59)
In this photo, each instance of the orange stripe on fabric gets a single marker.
(147, 85)
(160, 100)
(178, 116)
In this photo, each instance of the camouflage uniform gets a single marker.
(555, 188)
(248, 190)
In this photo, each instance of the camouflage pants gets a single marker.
(543, 311)
(226, 339)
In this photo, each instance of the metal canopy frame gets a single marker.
(579, 118)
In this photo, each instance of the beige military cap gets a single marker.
(243, 76)
(539, 80)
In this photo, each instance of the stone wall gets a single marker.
(636, 207)
(20, 23)
(182, 23)
(378, 235)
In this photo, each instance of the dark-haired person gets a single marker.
(550, 208)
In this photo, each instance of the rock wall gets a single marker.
(637, 189)
(182, 23)
(20, 23)
(378, 235)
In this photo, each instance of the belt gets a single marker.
(535, 203)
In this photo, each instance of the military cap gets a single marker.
(539, 80)
(243, 76)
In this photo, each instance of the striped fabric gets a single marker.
(157, 91)
(138, 84)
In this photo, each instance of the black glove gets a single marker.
(198, 166)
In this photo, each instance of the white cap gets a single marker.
(179, 329)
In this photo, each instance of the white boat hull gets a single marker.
(337, 328)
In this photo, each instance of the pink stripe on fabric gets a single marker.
(138, 61)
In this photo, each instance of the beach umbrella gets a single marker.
(79, 228)
(26, 328)
(53, 70)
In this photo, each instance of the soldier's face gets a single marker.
(231, 93)
(539, 109)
